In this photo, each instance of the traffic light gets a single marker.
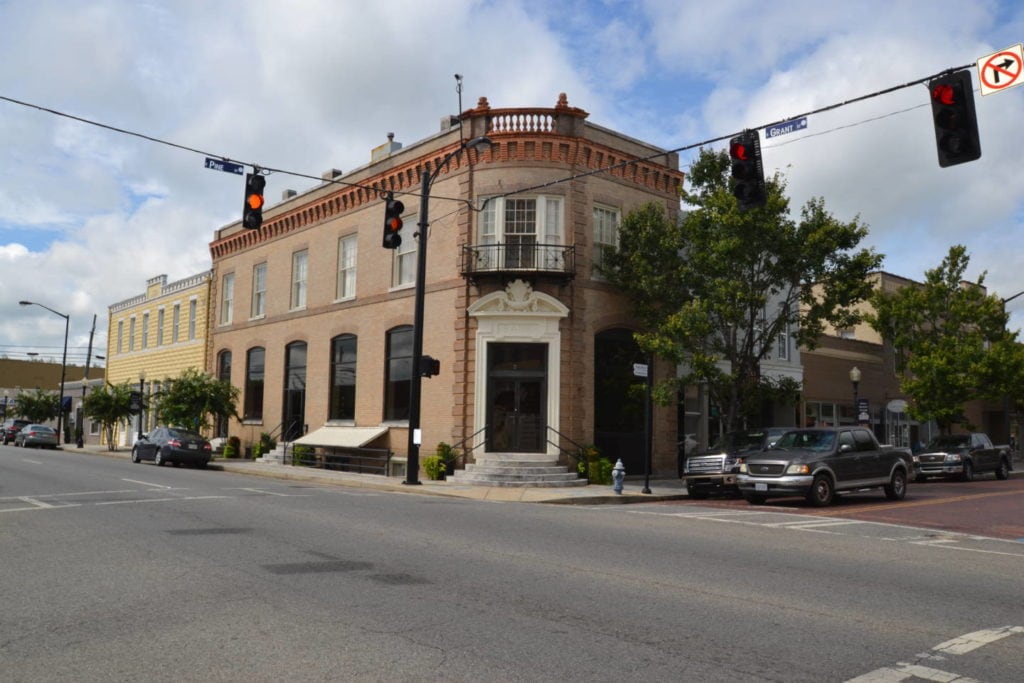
(747, 170)
(956, 125)
(252, 210)
(392, 222)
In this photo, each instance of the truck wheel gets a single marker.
(1003, 471)
(696, 493)
(754, 498)
(896, 489)
(968, 473)
(822, 491)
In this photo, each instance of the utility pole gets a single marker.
(85, 382)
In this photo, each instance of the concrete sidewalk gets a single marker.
(660, 489)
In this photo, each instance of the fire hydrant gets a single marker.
(618, 474)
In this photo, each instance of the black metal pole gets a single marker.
(412, 466)
(63, 370)
(142, 402)
(648, 427)
(85, 381)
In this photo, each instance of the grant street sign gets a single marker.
(790, 126)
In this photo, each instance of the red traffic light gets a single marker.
(252, 209)
(392, 223)
(953, 116)
(944, 93)
(738, 150)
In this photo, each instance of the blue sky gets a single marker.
(88, 215)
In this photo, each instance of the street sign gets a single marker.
(1001, 70)
(790, 126)
(863, 416)
(639, 369)
(226, 166)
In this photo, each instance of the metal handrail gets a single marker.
(460, 451)
(506, 257)
(577, 457)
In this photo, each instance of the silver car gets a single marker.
(39, 436)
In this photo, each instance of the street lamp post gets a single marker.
(63, 365)
(855, 381)
(142, 402)
(412, 465)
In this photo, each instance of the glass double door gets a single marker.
(517, 397)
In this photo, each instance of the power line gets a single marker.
(570, 178)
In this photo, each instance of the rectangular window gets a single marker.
(606, 236)
(131, 334)
(193, 307)
(120, 336)
(782, 344)
(399, 374)
(521, 232)
(145, 330)
(259, 291)
(346, 288)
(160, 327)
(175, 323)
(300, 262)
(227, 300)
(405, 264)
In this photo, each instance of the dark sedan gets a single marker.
(173, 444)
(11, 428)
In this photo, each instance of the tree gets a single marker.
(38, 406)
(109, 405)
(193, 398)
(951, 342)
(715, 292)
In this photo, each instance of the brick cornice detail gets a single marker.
(577, 153)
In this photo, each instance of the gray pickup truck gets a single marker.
(818, 463)
(963, 456)
(714, 470)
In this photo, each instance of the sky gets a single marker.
(89, 214)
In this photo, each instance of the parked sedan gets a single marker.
(173, 444)
(39, 436)
(11, 428)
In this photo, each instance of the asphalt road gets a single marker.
(984, 507)
(118, 572)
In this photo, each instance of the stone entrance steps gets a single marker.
(516, 469)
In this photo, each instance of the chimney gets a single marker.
(385, 150)
(331, 174)
(288, 194)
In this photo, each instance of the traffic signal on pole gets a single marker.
(956, 124)
(747, 170)
(252, 210)
(392, 222)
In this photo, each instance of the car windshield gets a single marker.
(948, 441)
(811, 438)
(183, 435)
(735, 442)
(40, 429)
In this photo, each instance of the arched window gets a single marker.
(255, 364)
(343, 378)
(398, 379)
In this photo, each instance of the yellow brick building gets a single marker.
(155, 336)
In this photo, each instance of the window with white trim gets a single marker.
(131, 334)
(606, 236)
(227, 300)
(521, 232)
(300, 264)
(160, 327)
(259, 291)
(145, 330)
(175, 323)
(120, 336)
(193, 309)
(404, 272)
(346, 287)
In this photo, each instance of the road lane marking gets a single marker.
(146, 483)
(900, 505)
(972, 641)
(159, 500)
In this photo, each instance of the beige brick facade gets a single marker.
(543, 176)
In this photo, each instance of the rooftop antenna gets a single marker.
(458, 89)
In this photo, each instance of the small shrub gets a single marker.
(601, 471)
(257, 449)
(302, 455)
(233, 447)
(434, 467)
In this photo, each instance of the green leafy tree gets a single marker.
(36, 406)
(193, 398)
(715, 291)
(108, 405)
(951, 342)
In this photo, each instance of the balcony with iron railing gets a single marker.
(530, 260)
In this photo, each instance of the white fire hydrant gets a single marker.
(618, 475)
